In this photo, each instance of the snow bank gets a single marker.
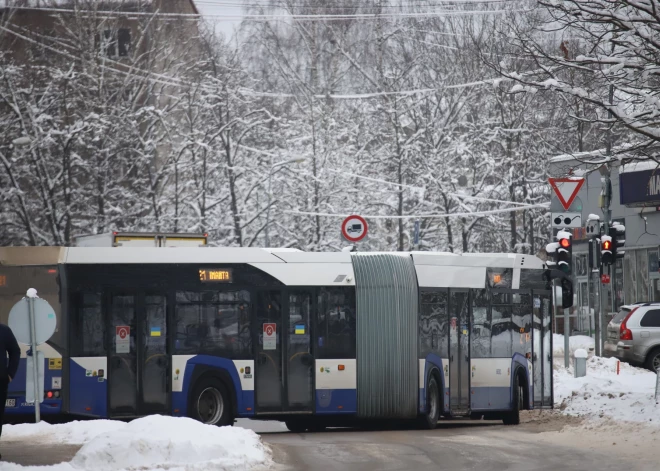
(602, 394)
(73, 433)
(155, 443)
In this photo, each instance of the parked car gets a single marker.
(633, 335)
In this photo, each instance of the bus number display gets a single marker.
(215, 275)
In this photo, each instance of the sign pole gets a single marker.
(35, 357)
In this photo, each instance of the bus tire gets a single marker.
(296, 426)
(513, 417)
(429, 419)
(210, 402)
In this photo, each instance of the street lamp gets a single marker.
(270, 178)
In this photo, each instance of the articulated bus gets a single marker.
(311, 339)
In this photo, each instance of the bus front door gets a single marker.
(459, 353)
(138, 375)
(284, 363)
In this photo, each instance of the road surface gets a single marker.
(537, 445)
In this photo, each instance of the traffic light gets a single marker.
(565, 252)
(618, 235)
(606, 250)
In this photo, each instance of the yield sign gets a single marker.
(566, 189)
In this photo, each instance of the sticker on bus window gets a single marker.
(537, 303)
(300, 329)
(270, 336)
(122, 339)
(155, 331)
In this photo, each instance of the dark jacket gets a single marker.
(8, 346)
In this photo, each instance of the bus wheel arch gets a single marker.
(434, 395)
(212, 398)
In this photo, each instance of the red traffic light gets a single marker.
(607, 245)
(564, 243)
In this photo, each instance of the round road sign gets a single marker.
(354, 228)
(45, 321)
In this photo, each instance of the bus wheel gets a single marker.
(513, 417)
(429, 420)
(210, 403)
(296, 426)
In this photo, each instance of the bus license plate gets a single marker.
(10, 403)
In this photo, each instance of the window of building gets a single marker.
(434, 324)
(89, 326)
(642, 275)
(335, 323)
(116, 43)
(213, 323)
(651, 319)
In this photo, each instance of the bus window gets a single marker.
(501, 326)
(213, 323)
(88, 326)
(434, 324)
(522, 323)
(481, 322)
(335, 328)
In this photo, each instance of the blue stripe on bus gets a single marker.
(87, 392)
(16, 391)
(244, 399)
(329, 401)
(490, 397)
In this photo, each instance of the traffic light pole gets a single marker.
(606, 198)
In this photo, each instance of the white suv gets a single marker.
(633, 335)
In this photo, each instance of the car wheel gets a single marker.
(653, 360)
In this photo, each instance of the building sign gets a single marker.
(640, 188)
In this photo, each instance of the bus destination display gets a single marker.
(215, 275)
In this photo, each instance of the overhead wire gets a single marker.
(283, 17)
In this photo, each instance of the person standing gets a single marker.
(12, 352)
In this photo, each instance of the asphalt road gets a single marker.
(464, 445)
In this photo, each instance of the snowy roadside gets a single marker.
(150, 443)
(603, 395)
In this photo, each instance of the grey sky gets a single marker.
(215, 10)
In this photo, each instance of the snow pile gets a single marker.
(158, 443)
(602, 394)
(73, 433)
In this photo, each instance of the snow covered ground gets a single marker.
(150, 443)
(602, 394)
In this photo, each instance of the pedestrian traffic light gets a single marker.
(566, 293)
(618, 235)
(565, 252)
(606, 247)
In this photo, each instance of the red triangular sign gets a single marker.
(566, 189)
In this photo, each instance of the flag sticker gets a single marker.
(155, 331)
(300, 329)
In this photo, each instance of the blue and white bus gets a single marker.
(311, 339)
